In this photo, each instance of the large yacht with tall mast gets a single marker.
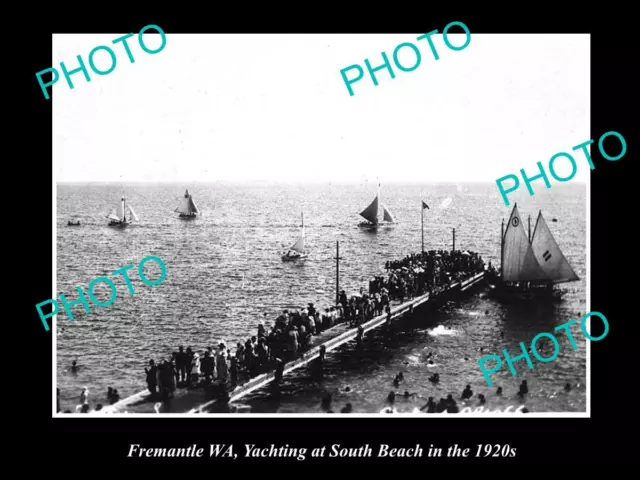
(531, 265)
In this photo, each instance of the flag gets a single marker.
(424, 205)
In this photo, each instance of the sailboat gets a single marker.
(188, 208)
(370, 214)
(118, 217)
(298, 250)
(530, 265)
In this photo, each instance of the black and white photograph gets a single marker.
(236, 234)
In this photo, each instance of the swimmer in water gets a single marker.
(348, 408)
(74, 367)
(524, 389)
(84, 396)
(391, 397)
(567, 387)
(482, 399)
(499, 391)
(467, 392)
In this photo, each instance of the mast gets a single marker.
(501, 247)
(124, 212)
(422, 225)
(454, 240)
(379, 202)
(529, 228)
(337, 272)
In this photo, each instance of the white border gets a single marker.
(53, 331)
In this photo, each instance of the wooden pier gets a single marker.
(194, 400)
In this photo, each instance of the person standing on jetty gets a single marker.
(221, 362)
(152, 378)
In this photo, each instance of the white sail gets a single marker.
(519, 261)
(371, 212)
(133, 214)
(188, 205)
(193, 206)
(299, 245)
(184, 206)
(120, 210)
(388, 217)
(548, 253)
(113, 216)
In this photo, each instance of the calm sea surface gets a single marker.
(224, 272)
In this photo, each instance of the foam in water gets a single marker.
(441, 330)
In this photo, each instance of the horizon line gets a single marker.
(288, 182)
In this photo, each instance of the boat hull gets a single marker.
(292, 258)
(369, 226)
(509, 293)
(187, 216)
(119, 224)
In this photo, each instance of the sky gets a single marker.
(275, 108)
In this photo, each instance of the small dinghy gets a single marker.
(297, 250)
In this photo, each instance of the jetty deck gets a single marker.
(195, 400)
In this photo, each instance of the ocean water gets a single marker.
(224, 272)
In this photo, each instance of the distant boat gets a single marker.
(118, 217)
(298, 250)
(73, 224)
(188, 208)
(370, 214)
(531, 265)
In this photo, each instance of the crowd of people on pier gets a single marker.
(292, 331)
(429, 271)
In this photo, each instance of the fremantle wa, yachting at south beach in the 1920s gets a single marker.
(416, 51)
(55, 76)
(106, 280)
